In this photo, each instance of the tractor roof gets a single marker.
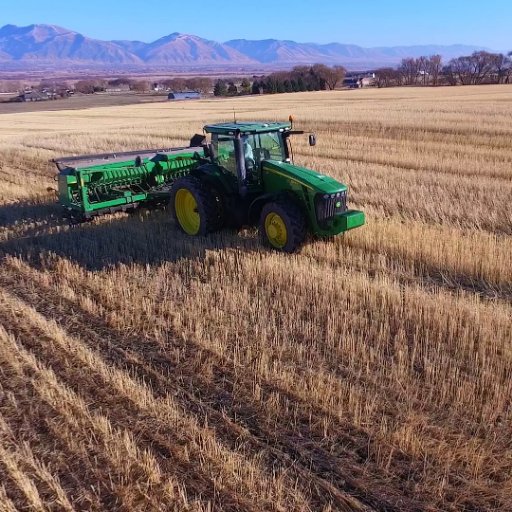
(246, 127)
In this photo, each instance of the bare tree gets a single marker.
(484, 64)
(477, 68)
(434, 68)
(205, 85)
(462, 69)
(503, 65)
(509, 72)
(200, 84)
(409, 70)
(334, 76)
(87, 86)
(328, 77)
(118, 82)
(423, 69)
(448, 74)
(140, 86)
(387, 77)
(175, 84)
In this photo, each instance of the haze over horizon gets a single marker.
(368, 24)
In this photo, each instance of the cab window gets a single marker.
(271, 146)
(224, 148)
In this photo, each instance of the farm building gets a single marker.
(33, 95)
(351, 83)
(118, 88)
(184, 95)
(358, 80)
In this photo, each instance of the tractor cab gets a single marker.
(240, 148)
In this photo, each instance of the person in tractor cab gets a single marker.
(248, 155)
(248, 152)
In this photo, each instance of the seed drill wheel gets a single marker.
(195, 208)
(282, 226)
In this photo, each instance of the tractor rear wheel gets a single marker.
(195, 208)
(282, 225)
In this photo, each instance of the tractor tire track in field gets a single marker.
(29, 417)
(330, 476)
(22, 454)
(126, 416)
(416, 272)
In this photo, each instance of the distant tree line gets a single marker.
(301, 78)
(478, 68)
(201, 84)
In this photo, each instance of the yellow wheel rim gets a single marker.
(275, 229)
(185, 206)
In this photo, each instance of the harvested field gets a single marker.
(141, 369)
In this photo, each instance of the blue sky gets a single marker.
(363, 22)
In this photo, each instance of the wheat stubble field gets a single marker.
(141, 369)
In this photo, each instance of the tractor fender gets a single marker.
(257, 205)
(206, 173)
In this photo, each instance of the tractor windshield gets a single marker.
(266, 146)
(273, 143)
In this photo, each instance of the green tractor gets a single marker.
(243, 175)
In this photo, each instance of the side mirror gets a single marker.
(312, 139)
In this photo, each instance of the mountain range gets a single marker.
(41, 45)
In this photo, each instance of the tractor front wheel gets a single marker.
(195, 208)
(282, 226)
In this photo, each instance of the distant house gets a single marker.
(351, 83)
(358, 80)
(368, 81)
(117, 88)
(34, 96)
(184, 95)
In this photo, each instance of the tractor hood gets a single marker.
(312, 180)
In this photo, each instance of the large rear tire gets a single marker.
(195, 208)
(282, 226)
